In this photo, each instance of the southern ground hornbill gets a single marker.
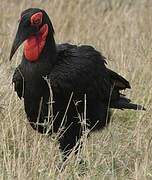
(61, 82)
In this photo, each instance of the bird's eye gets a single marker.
(36, 19)
(36, 22)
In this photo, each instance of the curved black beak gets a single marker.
(21, 36)
(16, 43)
(23, 33)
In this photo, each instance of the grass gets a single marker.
(122, 31)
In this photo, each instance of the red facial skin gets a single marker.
(36, 19)
(34, 45)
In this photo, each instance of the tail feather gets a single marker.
(118, 81)
(125, 103)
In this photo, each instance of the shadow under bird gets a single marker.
(60, 82)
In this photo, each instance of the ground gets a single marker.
(122, 31)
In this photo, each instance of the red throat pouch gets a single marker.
(34, 45)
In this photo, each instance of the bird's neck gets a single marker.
(42, 66)
(49, 54)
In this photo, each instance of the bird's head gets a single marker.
(34, 28)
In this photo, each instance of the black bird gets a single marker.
(59, 82)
